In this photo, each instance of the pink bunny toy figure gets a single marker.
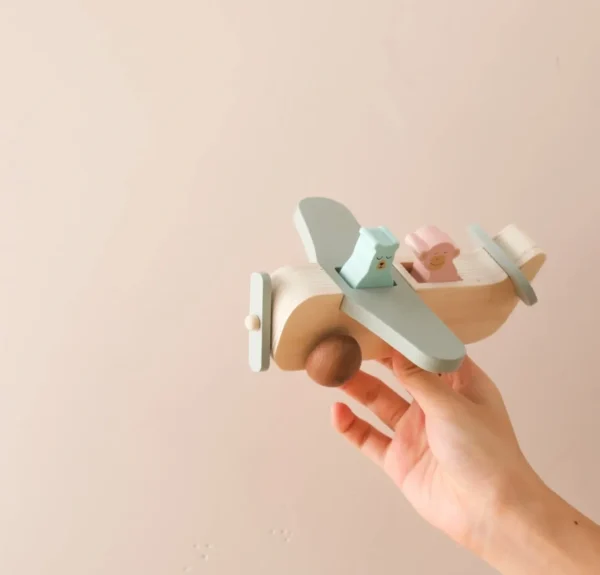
(435, 253)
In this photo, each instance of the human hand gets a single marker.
(454, 454)
(453, 451)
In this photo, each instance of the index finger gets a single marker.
(426, 388)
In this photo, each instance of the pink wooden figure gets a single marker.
(435, 253)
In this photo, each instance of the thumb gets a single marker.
(428, 389)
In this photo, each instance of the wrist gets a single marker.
(536, 532)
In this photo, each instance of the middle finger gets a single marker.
(383, 401)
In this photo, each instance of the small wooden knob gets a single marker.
(334, 360)
(252, 323)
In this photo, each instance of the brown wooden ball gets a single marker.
(334, 360)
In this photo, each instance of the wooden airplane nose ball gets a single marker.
(334, 360)
(252, 323)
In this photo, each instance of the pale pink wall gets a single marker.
(151, 156)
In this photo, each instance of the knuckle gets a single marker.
(372, 394)
(363, 436)
(396, 416)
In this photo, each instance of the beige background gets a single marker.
(151, 156)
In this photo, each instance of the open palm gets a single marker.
(452, 451)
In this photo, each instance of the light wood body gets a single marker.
(306, 302)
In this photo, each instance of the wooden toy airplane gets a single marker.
(352, 303)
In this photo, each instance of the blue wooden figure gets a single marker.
(370, 265)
